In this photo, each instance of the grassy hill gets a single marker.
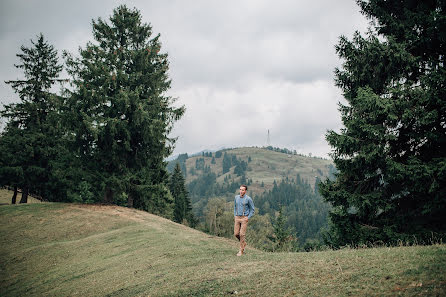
(265, 166)
(50, 249)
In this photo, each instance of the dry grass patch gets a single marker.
(6, 197)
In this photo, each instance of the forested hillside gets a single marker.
(276, 178)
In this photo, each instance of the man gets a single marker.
(243, 211)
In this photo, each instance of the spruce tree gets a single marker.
(182, 203)
(226, 164)
(31, 141)
(282, 235)
(12, 159)
(391, 153)
(121, 117)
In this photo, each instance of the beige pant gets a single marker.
(240, 224)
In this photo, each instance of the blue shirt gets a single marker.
(243, 206)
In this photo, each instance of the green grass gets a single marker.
(51, 249)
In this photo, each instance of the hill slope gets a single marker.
(50, 249)
(264, 166)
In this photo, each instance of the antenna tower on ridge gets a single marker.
(268, 140)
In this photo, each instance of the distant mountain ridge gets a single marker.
(264, 166)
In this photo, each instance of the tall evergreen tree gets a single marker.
(391, 155)
(12, 159)
(178, 191)
(226, 163)
(31, 141)
(182, 203)
(282, 235)
(120, 114)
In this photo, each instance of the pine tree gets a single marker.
(182, 204)
(391, 154)
(226, 164)
(31, 142)
(120, 115)
(282, 235)
(12, 159)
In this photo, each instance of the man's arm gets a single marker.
(235, 205)
(251, 208)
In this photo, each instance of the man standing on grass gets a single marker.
(243, 211)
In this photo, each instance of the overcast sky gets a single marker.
(241, 68)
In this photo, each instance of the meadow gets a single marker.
(55, 249)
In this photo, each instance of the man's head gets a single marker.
(243, 189)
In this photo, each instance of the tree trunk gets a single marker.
(14, 197)
(215, 221)
(108, 197)
(130, 200)
(24, 195)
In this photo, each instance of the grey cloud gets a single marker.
(286, 40)
(239, 67)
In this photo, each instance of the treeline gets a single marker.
(289, 217)
(288, 151)
(304, 210)
(104, 137)
(281, 150)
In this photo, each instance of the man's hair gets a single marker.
(245, 186)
